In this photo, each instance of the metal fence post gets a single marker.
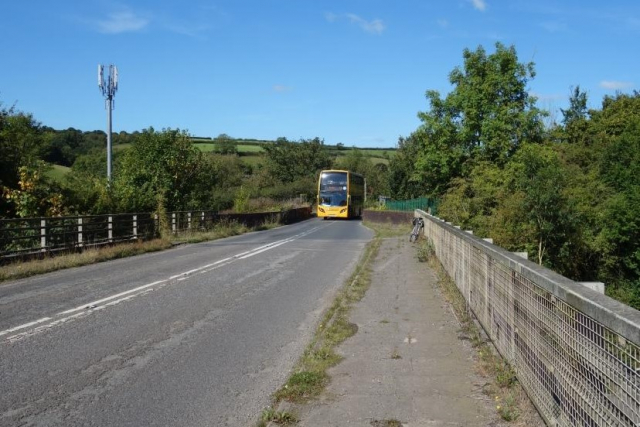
(110, 228)
(135, 226)
(79, 232)
(43, 234)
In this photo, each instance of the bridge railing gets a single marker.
(575, 351)
(28, 237)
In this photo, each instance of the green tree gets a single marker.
(159, 166)
(36, 194)
(403, 181)
(575, 117)
(289, 161)
(21, 145)
(376, 175)
(537, 174)
(226, 145)
(486, 117)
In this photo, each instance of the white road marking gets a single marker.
(88, 308)
(26, 325)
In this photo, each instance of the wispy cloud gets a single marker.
(480, 5)
(281, 88)
(331, 17)
(122, 22)
(443, 23)
(615, 85)
(375, 26)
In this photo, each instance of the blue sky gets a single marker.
(350, 71)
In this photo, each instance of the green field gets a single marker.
(207, 147)
(57, 172)
(250, 152)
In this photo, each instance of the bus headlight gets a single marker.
(343, 211)
(321, 210)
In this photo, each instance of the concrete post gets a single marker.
(135, 226)
(79, 232)
(43, 235)
(110, 228)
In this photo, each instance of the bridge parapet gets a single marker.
(575, 351)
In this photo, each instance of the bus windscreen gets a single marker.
(333, 189)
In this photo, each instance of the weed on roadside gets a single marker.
(278, 417)
(88, 256)
(426, 250)
(386, 423)
(508, 407)
(302, 386)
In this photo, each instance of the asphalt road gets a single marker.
(199, 335)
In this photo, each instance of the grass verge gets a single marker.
(310, 374)
(511, 402)
(89, 256)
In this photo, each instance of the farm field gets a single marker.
(57, 172)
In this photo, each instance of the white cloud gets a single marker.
(122, 22)
(281, 88)
(331, 17)
(481, 5)
(614, 85)
(375, 26)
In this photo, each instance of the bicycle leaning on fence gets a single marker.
(418, 224)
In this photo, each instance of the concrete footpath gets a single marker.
(406, 365)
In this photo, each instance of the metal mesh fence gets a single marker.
(575, 352)
(422, 203)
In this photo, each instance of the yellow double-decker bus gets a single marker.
(340, 194)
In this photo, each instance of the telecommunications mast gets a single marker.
(108, 86)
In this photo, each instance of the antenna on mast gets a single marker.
(108, 87)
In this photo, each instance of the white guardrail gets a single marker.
(575, 351)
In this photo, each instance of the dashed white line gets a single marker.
(26, 325)
(85, 309)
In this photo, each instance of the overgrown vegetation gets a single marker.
(565, 192)
(89, 256)
(278, 417)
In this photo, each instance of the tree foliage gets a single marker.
(289, 161)
(159, 167)
(486, 117)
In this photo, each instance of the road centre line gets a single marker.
(26, 325)
(112, 300)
